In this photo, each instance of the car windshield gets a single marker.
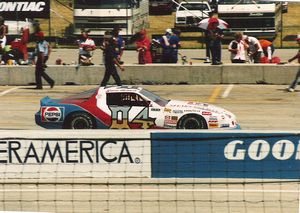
(193, 7)
(83, 95)
(155, 98)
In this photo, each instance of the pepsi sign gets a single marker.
(52, 114)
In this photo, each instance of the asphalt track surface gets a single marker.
(257, 107)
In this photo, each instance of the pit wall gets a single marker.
(157, 74)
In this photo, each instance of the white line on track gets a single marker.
(149, 190)
(227, 91)
(8, 91)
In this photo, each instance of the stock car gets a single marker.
(129, 107)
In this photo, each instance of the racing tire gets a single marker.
(192, 122)
(80, 120)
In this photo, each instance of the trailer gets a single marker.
(256, 18)
(100, 16)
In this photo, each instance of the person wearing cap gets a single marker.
(293, 85)
(119, 49)
(43, 50)
(143, 45)
(86, 47)
(215, 36)
(165, 44)
(111, 61)
(254, 48)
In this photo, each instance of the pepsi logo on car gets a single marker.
(52, 114)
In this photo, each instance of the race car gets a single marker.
(129, 107)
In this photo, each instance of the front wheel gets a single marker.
(192, 122)
(80, 120)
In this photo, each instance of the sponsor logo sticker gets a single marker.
(52, 114)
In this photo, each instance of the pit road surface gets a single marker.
(257, 107)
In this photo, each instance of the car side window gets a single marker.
(125, 99)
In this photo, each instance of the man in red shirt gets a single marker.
(268, 48)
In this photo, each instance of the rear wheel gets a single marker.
(192, 122)
(80, 120)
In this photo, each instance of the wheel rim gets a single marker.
(192, 123)
(80, 123)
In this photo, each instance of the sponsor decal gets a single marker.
(120, 118)
(224, 125)
(206, 113)
(213, 122)
(25, 9)
(178, 111)
(167, 110)
(171, 120)
(22, 6)
(52, 114)
(155, 109)
(261, 149)
(73, 151)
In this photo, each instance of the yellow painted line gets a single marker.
(215, 94)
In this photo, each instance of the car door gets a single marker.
(129, 111)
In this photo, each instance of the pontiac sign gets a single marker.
(18, 10)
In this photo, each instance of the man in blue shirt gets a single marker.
(43, 52)
(174, 46)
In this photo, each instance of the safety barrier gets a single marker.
(156, 154)
(158, 74)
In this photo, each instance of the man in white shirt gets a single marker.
(237, 48)
(254, 50)
(86, 47)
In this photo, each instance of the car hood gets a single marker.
(196, 106)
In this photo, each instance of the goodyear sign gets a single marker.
(226, 155)
(18, 9)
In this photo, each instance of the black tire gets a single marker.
(192, 122)
(80, 120)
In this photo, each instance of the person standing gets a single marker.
(165, 44)
(294, 84)
(111, 61)
(3, 32)
(120, 43)
(143, 46)
(43, 50)
(238, 49)
(254, 49)
(215, 36)
(174, 45)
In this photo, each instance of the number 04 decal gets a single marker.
(120, 119)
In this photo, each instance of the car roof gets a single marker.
(125, 88)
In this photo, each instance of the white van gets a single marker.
(190, 13)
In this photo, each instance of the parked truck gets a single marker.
(100, 16)
(257, 18)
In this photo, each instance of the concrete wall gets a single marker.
(158, 74)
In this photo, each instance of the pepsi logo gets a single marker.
(52, 114)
